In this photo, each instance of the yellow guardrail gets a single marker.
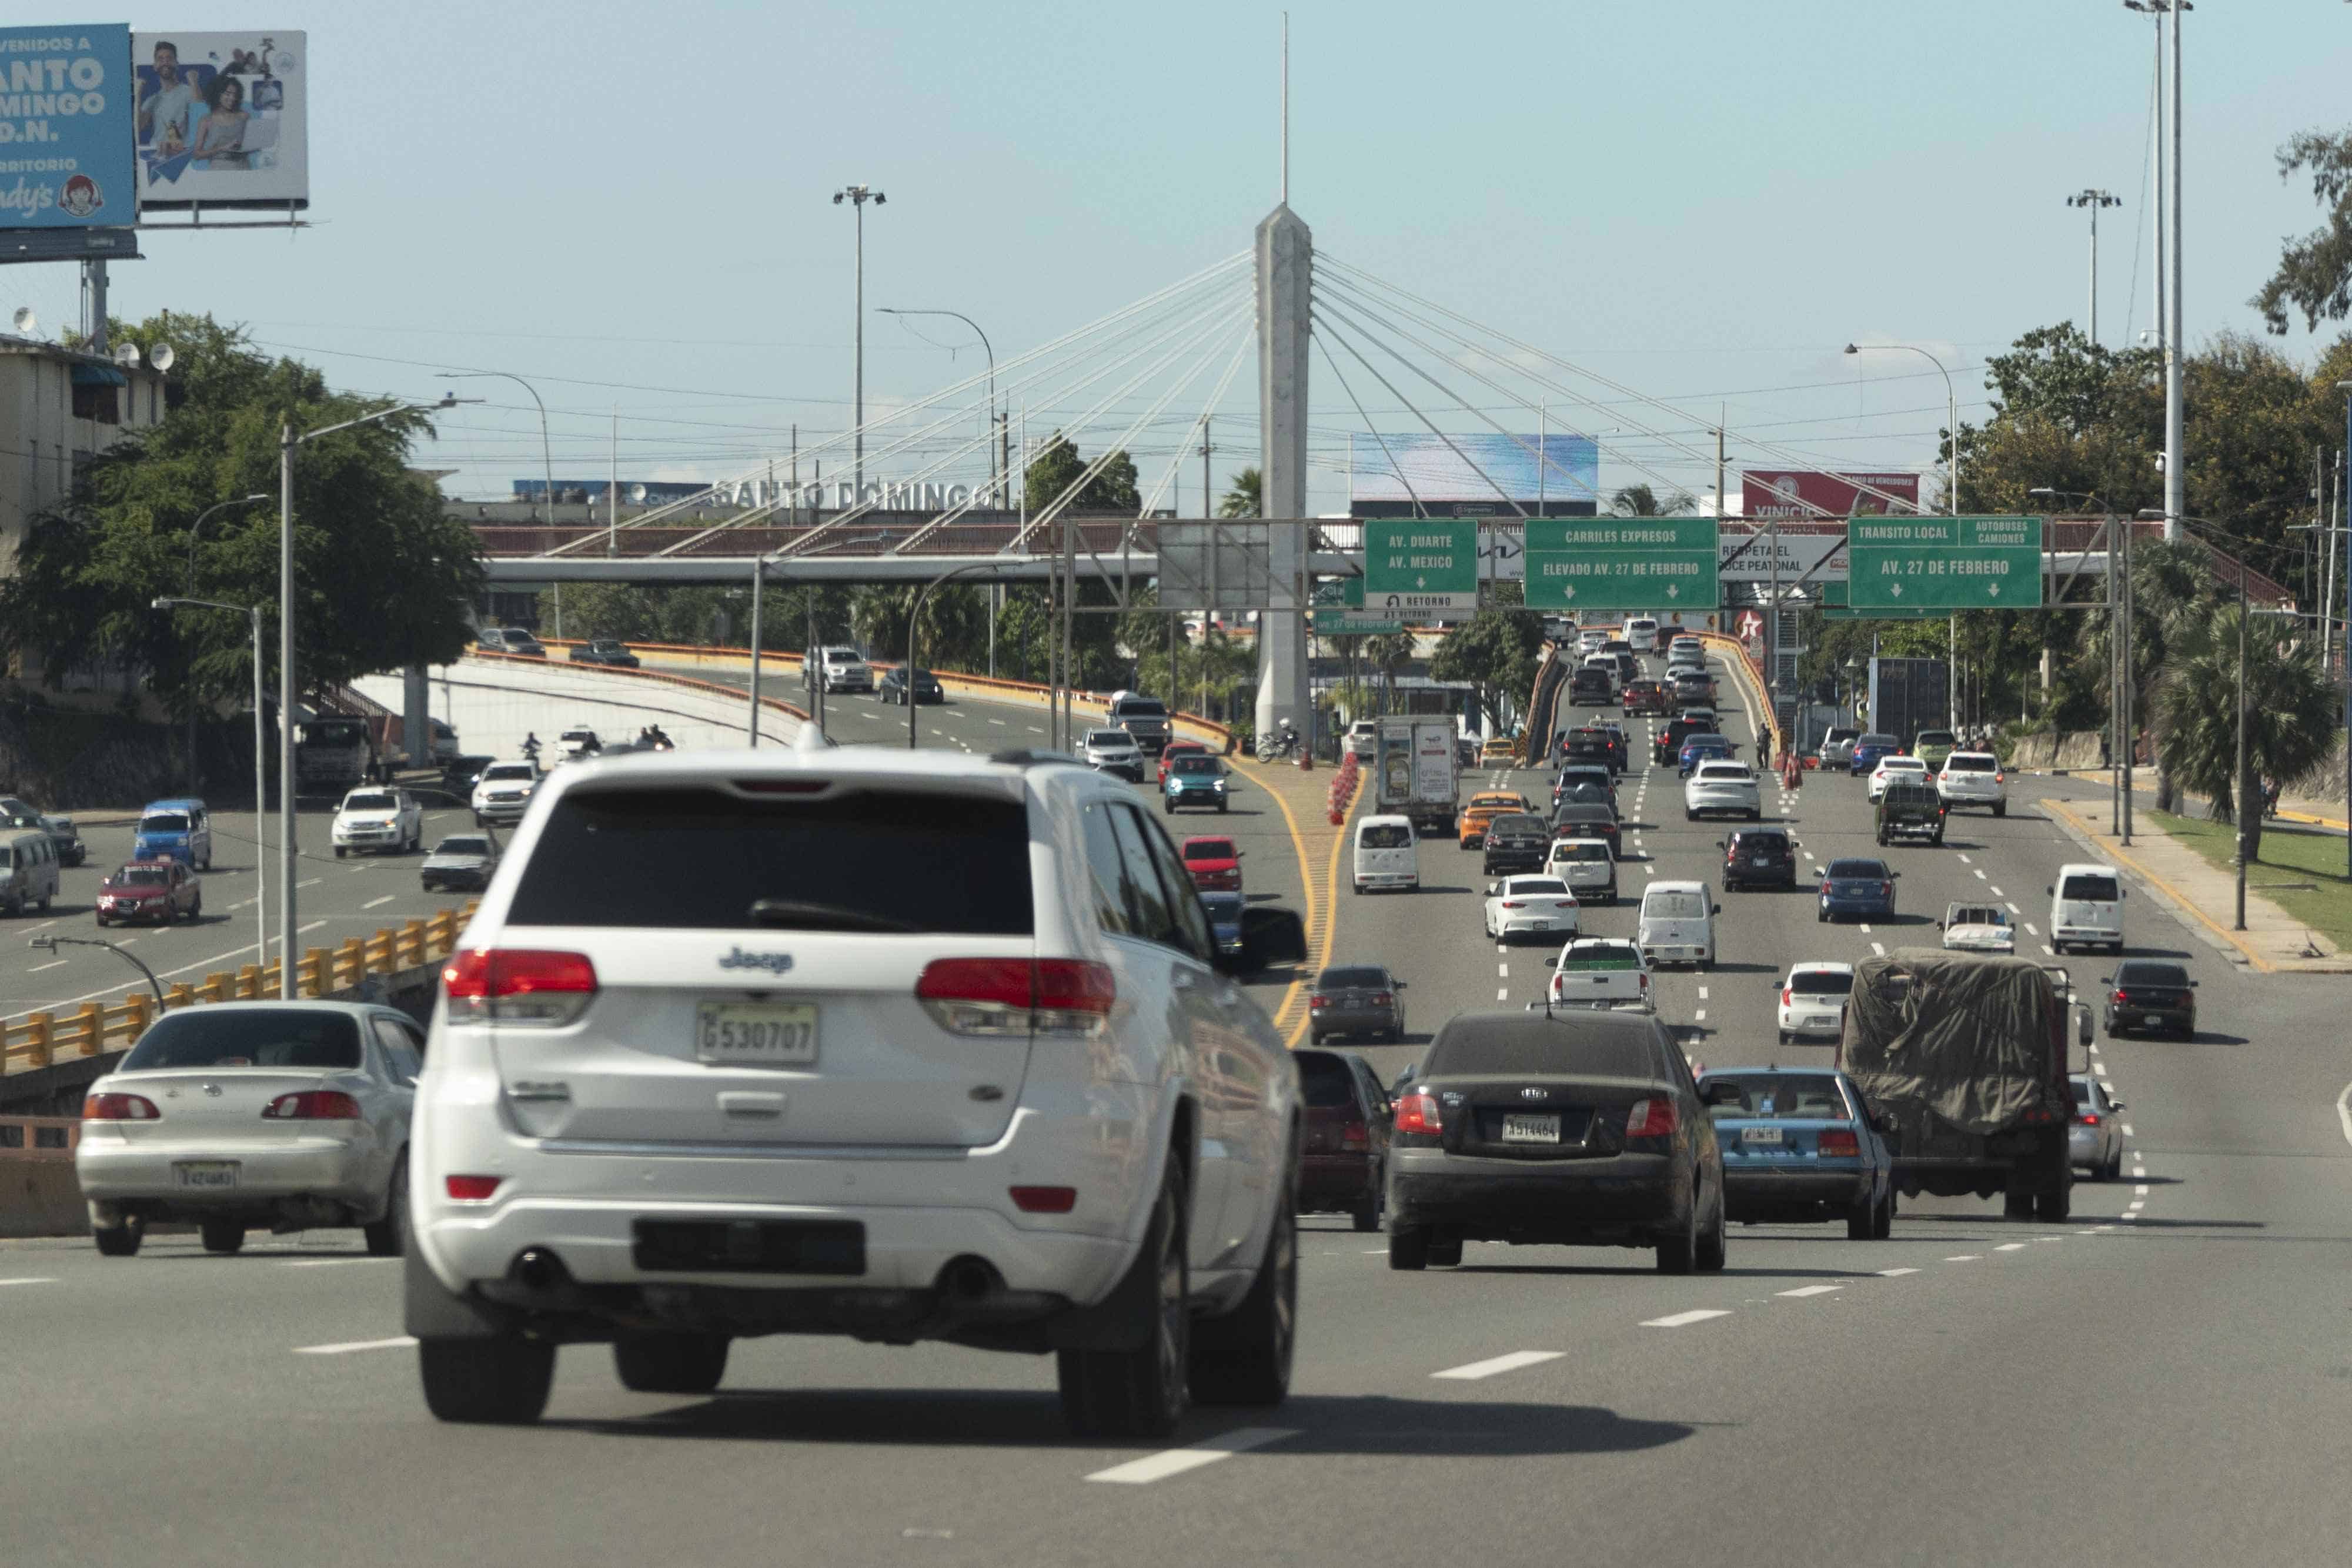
(44, 1039)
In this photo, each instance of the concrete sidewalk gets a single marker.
(2200, 895)
(1304, 801)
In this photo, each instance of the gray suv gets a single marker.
(1146, 718)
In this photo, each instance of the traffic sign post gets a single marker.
(1416, 566)
(1943, 564)
(1622, 563)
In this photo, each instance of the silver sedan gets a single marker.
(283, 1115)
(2095, 1140)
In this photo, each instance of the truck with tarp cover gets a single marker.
(1962, 1060)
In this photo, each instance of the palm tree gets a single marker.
(2290, 716)
(1384, 652)
(1641, 501)
(1247, 496)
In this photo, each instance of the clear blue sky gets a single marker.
(1704, 200)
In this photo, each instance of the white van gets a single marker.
(1641, 631)
(2087, 908)
(29, 871)
(1386, 855)
(1678, 924)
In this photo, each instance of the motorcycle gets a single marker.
(1278, 747)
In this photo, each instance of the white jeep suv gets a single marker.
(899, 1046)
(1974, 778)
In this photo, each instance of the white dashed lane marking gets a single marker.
(1176, 1462)
(1474, 1371)
(31, 1280)
(1980, 877)
(1879, 948)
(1895, 1274)
(2011, 1246)
(401, 1342)
(1501, 993)
(1812, 1291)
(1967, 1258)
(1684, 1320)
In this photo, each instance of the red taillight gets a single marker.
(1788, 996)
(1017, 996)
(2121, 999)
(472, 1188)
(314, 1105)
(118, 1108)
(1997, 779)
(1355, 1136)
(1417, 1113)
(519, 985)
(1382, 999)
(1652, 1119)
(1513, 904)
(1319, 1001)
(1838, 1141)
(1886, 890)
(2086, 1119)
(1045, 1199)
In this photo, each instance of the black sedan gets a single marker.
(1572, 1128)
(2147, 996)
(892, 687)
(607, 651)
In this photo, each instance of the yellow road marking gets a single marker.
(1306, 883)
(1331, 903)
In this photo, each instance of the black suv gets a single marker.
(1759, 857)
(1589, 745)
(1591, 688)
(1678, 730)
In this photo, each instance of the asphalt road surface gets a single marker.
(2164, 1379)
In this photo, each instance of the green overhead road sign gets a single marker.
(1418, 565)
(1340, 611)
(1835, 608)
(1944, 563)
(1622, 563)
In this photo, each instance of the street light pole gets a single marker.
(817, 681)
(546, 451)
(997, 480)
(914, 620)
(194, 530)
(858, 196)
(2094, 199)
(260, 776)
(1952, 398)
(288, 854)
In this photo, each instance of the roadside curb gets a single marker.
(2184, 907)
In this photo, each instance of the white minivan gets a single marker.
(1386, 855)
(1641, 631)
(1678, 924)
(2087, 908)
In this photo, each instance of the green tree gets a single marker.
(2315, 273)
(386, 579)
(1641, 501)
(2289, 715)
(1056, 468)
(1246, 497)
(1497, 650)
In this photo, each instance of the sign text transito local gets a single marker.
(1944, 563)
(1622, 563)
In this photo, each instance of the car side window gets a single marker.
(1147, 915)
(399, 1056)
(1106, 868)
(1188, 924)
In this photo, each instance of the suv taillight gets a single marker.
(118, 1108)
(1652, 1119)
(314, 1105)
(1017, 996)
(519, 986)
(1416, 1113)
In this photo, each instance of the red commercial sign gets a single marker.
(1796, 493)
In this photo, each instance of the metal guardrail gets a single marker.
(44, 1039)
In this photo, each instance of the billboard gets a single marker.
(65, 128)
(1404, 468)
(1785, 492)
(222, 119)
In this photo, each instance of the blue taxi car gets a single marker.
(1799, 1147)
(177, 829)
(1869, 751)
(1193, 780)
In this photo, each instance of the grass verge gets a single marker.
(2302, 873)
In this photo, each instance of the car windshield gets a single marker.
(1142, 707)
(1385, 836)
(278, 1036)
(376, 801)
(142, 876)
(1797, 1096)
(1209, 850)
(1325, 1082)
(697, 858)
(1600, 1046)
(1673, 903)
(1935, 737)
(1114, 738)
(507, 770)
(463, 846)
(1522, 887)
(1968, 762)
(2089, 889)
(1843, 869)
(1193, 765)
(1353, 977)
(2171, 974)
(164, 822)
(1224, 908)
(1877, 740)
(1822, 982)
(1975, 914)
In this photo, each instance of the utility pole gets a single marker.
(2094, 199)
(2167, 269)
(858, 196)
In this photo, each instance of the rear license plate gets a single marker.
(1760, 861)
(750, 1246)
(2146, 1020)
(756, 1034)
(1518, 1129)
(1759, 1134)
(208, 1175)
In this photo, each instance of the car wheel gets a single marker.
(2017, 1203)
(1821, 917)
(670, 1363)
(339, 852)
(1243, 1357)
(1884, 1226)
(1713, 1243)
(501, 1381)
(1221, 806)
(1860, 1218)
(222, 1235)
(2000, 807)
(1678, 1253)
(477, 821)
(1369, 1214)
(1140, 1393)
(1784, 1037)
(1408, 1249)
(388, 1237)
(2053, 1204)
(1446, 1251)
(1169, 806)
(2115, 1168)
(196, 910)
(120, 1240)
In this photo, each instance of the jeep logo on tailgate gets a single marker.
(774, 962)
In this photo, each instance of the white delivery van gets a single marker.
(1641, 631)
(2087, 908)
(1678, 924)
(1386, 855)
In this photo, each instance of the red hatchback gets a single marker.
(1176, 748)
(1646, 697)
(1215, 864)
(1343, 1152)
(161, 891)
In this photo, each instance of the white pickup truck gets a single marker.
(1602, 972)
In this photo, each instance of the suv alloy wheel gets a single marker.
(1142, 1392)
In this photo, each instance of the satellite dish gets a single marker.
(126, 355)
(161, 356)
(25, 320)
(637, 494)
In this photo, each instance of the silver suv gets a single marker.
(897, 1046)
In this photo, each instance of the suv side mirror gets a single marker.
(1270, 937)
(2082, 1025)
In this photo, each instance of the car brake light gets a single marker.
(1513, 904)
(2121, 999)
(1355, 1136)
(1045, 1199)
(1319, 1001)
(472, 1188)
(1417, 1113)
(2088, 1118)
(1788, 996)
(1651, 1119)
(1017, 996)
(118, 1108)
(1886, 890)
(519, 985)
(314, 1105)
(1382, 999)
(1838, 1141)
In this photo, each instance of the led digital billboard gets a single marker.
(1493, 470)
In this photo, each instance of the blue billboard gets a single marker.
(65, 128)
(1420, 467)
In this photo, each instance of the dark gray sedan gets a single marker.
(1356, 998)
(461, 861)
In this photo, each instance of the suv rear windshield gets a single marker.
(882, 861)
(1822, 982)
(1562, 1044)
(273, 1037)
(1579, 849)
(1386, 836)
(1878, 740)
(1968, 762)
(1856, 870)
(1673, 903)
(2090, 889)
(1326, 1082)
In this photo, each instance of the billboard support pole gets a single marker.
(93, 284)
